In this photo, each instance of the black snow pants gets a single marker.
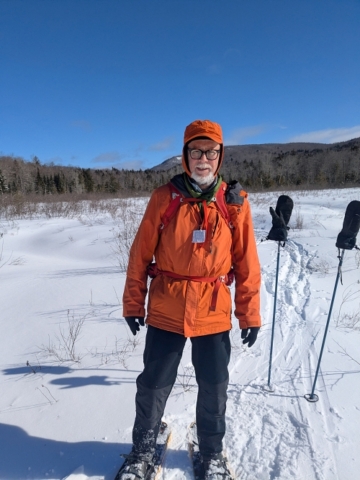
(162, 355)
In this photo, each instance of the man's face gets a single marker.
(203, 170)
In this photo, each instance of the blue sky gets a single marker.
(102, 83)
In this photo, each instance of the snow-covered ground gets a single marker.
(61, 417)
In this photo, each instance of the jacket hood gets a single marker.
(204, 129)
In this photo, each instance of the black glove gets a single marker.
(133, 324)
(347, 237)
(280, 218)
(279, 230)
(250, 335)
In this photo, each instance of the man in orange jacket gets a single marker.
(199, 231)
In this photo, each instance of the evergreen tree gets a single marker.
(3, 186)
(50, 185)
(88, 180)
(59, 183)
(39, 183)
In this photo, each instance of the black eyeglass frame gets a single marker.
(190, 150)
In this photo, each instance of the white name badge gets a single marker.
(199, 236)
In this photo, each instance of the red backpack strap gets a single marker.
(221, 202)
(170, 212)
(177, 198)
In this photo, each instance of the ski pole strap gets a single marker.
(339, 267)
(153, 271)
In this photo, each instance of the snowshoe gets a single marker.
(138, 467)
(216, 468)
(134, 468)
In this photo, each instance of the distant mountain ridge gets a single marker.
(265, 151)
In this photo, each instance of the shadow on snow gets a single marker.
(25, 457)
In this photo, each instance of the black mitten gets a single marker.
(250, 335)
(280, 218)
(133, 324)
(347, 237)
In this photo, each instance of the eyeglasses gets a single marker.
(196, 153)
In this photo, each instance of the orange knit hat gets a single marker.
(203, 128)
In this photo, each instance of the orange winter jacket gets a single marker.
(182, 305)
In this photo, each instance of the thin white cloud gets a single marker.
(131, 165)
(117, 160)
(164, 145)
(331, 135)
(240, 135)
(107, 157)
(54, 160)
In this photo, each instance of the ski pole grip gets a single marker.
(346, 240)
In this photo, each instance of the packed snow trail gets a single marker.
(273, 427)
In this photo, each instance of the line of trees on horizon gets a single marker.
(256, 170)
(18, 176)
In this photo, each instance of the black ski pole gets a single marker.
(278, 232)
(346, 240)
(273, 319)
(312, 397)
